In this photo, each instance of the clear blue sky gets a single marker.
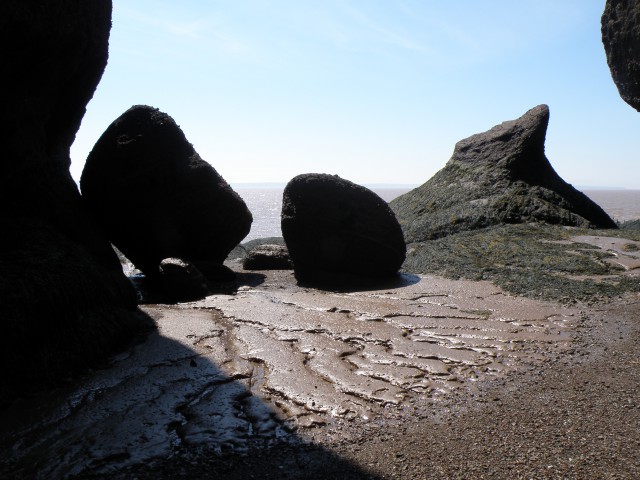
(377, 91)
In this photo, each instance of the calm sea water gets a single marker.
(265, 203)
(621, 205)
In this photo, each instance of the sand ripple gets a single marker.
(276, 358)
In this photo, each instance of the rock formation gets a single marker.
(499, 176)
(65, 302)
(181, 281)
(267, 257)
(156, 198)
(331, 225)
(621, 39)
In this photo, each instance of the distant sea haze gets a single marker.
(265, 203)
(621, 205)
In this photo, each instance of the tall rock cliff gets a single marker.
(65, 302)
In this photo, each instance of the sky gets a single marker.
(376, 91)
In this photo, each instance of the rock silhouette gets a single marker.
(499, 176)
(156, 198)
(621, 38)
(182, 281)
(333, 226)
(66, 303)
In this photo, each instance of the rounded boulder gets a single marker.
(331, 225)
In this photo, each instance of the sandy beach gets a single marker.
(469, 318)
(420, 378)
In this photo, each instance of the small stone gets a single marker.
(181, 280)
(267, 257)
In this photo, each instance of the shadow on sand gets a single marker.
(149, 292)
(344, 283)
(162, 409)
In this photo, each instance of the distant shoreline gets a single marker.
(409, 186)
(281, 185)
(592, 188)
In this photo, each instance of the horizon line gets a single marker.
(407, 185)
(282, 184)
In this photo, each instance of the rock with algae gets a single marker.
(497, 177)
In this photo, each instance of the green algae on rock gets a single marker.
(533, 260)
(501, 176)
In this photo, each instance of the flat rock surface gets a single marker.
(626, 252)
(424, 378)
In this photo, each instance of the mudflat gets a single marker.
(423, 377)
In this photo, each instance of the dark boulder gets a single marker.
(156, 198)
(621, 38)
(331, 225)
(267, 257)
(66, 304)
(496, 177)
(181, 280)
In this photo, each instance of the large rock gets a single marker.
(621, 39)
(331, 225)
(156, 197)
(499, 176)
(65, 302)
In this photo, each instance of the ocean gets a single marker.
(265, 203)
(621, 205)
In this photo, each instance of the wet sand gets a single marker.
(424, 378)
